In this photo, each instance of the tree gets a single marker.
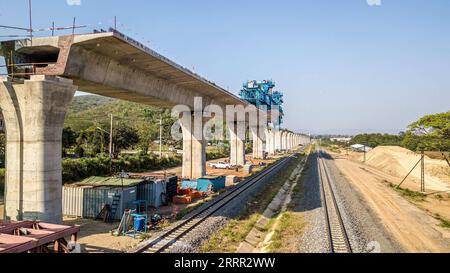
(431, 132)
(124, 137)
(97, 138)
(374, 140)
(69, 139)
(148, 132)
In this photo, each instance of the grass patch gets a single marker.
(228, 239)
(291, 222)
(286, 232)
(444, 222)
(413, 195)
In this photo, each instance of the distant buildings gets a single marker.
(341, 139)
(360, 148)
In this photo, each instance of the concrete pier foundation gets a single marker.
(194, 145)
(34, 113)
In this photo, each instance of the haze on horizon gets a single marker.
(344, 66)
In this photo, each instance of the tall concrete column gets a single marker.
(34, 113)
(283, 141)
(194, 145)
(278, 140)
(293, 141)
(237, 144)
(290, 146)
(270, 142)
(258, 151)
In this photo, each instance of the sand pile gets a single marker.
(398, 161)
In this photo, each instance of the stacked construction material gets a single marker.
(182, 199)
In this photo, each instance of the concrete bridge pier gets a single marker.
(284, 140)
(270, 142)
(34, 113)
(237, 143)
(194, 145)
(258, 150)
(278, 141)
(289, 139)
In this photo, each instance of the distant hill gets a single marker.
(91, 110)
(82, 103)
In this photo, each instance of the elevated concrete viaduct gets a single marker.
(48, 71)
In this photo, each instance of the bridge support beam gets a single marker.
(34, 113)
(237, 143)
(194, 145)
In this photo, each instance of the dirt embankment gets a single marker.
(398, 161)
(416, 220)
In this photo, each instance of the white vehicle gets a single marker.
(220, 165)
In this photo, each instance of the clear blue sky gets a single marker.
(343, 65)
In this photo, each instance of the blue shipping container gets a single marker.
(154, 192)
(215, 183)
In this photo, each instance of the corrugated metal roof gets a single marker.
(97, 181)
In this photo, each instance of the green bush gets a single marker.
(78, 169)
(215, 155)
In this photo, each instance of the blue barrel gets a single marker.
(139, 223)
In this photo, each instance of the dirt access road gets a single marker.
(413, 228)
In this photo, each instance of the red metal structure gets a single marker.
(36, 237)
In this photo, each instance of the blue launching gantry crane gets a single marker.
(262, 95)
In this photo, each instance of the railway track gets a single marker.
(337, 233)
(165, 241)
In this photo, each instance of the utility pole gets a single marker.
(31, 21)
(422, 172)
(364, 153)
(160, 136)
(111, 138)
(73, 26)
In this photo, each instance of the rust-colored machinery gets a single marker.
(36, 237)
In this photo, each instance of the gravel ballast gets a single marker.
(192, 242)
(365, 232)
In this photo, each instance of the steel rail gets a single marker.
(170, 237)
(336, 231)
